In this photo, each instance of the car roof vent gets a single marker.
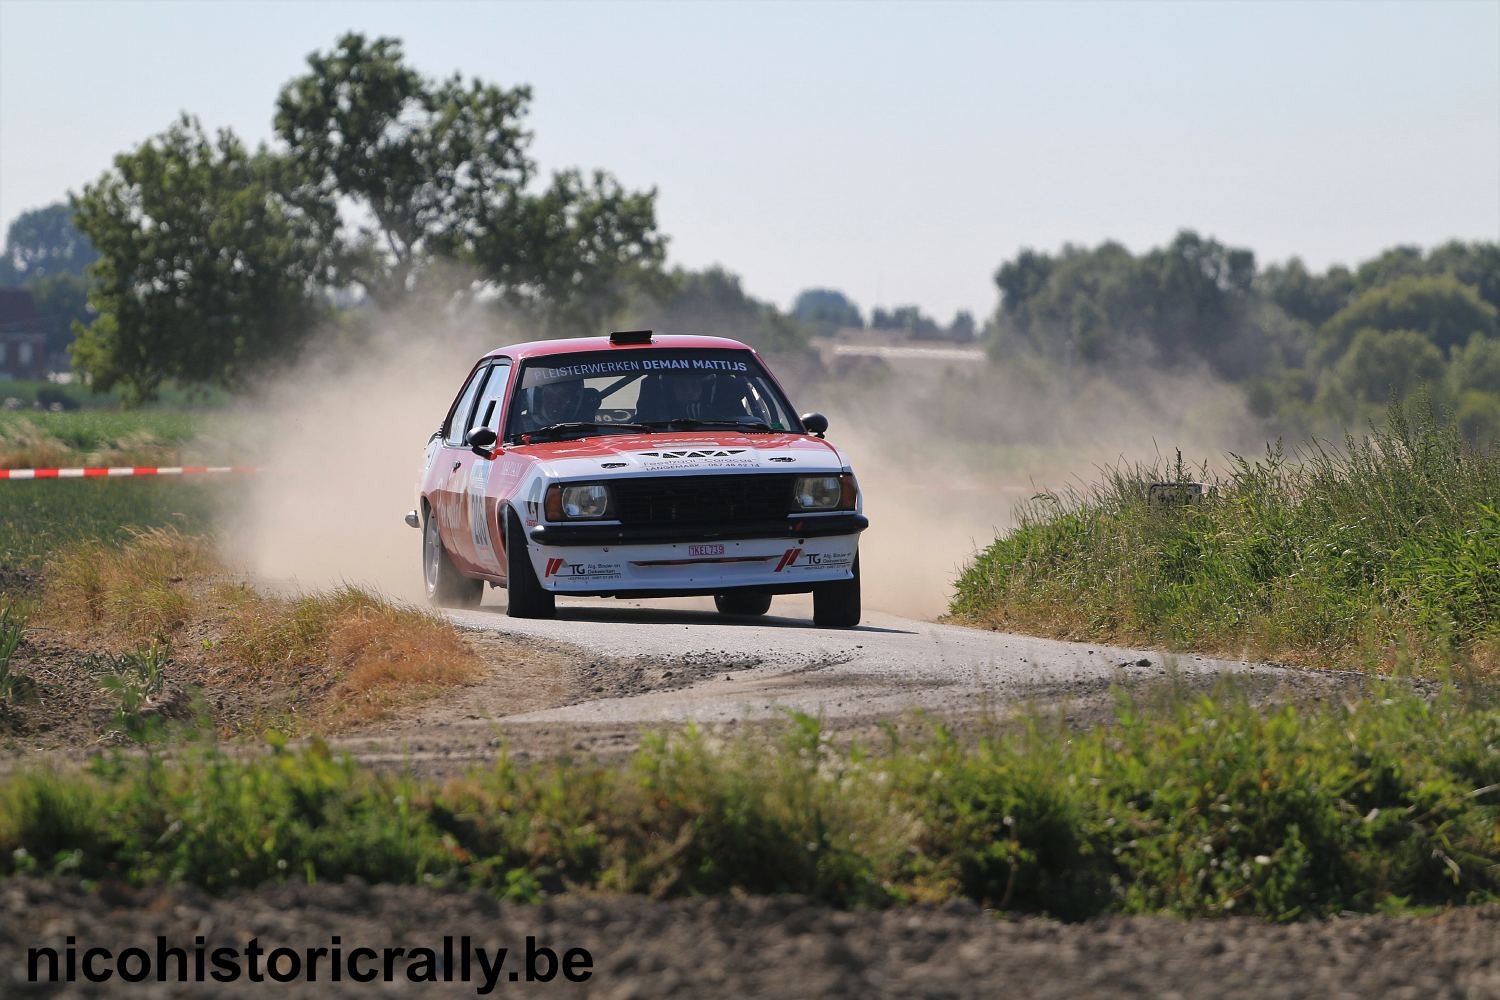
(630, 337)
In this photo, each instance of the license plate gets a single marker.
(705, 550)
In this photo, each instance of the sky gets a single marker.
(898, 152)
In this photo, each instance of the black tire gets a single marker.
(446, 586)
(525, 597)
(836, 604)
(742, 602)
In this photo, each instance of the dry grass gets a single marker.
(347, 655)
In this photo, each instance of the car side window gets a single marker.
(458, 419)
(488, 411)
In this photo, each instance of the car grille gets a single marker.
(702, 499)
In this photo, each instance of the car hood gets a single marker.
(685, 454)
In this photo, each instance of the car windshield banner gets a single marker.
(636, 362)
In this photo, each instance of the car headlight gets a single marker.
(824, 492)
(577, 503)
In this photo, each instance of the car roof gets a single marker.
(576, 345)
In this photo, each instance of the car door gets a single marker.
(447, 501)
(477, 547)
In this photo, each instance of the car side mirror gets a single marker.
(480, 440)
(815, 423)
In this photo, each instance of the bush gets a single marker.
(1198, 806)
(1389, 540)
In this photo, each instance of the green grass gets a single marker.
(1196, 806)
(102, 437)
(75, 396)
(38, 518)
(1391, 541)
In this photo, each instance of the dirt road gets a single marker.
(620, 666)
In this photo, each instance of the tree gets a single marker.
(582, 248)
(438, 170)
(1476, 366)
(42, 243)
(908, 319)
(963, 328)
(1441, 307)
(206, 269)
(1305, 296)
(827, 310)
(1381, 363)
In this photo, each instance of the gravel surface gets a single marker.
(778, 947)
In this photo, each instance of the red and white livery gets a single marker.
(636, 466)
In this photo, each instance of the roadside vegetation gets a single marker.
(162, 628)
(41, 439)
(1192, 805)
(1327, 555)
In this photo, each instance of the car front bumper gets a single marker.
(670, 561)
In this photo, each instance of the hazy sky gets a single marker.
(896, 151)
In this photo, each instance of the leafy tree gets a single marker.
(438, 170)
(1305, 296)
(1381, 363)
(1478, 419)
(827, 310)
(206, 269)
(1441, 307)
(42, 243)
(963, 328)
(1476, 366)
(582, 248)
(908, 319)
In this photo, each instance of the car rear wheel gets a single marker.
(836, 604)
(525, 597)
(742, 603)
(446, 586)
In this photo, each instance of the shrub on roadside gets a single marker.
(1202, 806)
(1392, 540)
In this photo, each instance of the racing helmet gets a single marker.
(556, 402)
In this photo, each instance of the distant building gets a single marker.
(23, 345)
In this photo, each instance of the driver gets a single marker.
(555, 403)
(690, 395)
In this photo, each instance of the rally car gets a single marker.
(636, 466)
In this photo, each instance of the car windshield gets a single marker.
(614, 391)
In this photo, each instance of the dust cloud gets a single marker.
(945, 452)
(340, 439)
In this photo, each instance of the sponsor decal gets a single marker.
(798, 559)
(593, 368)
(559, 568)
(706, 452)
(705, 550)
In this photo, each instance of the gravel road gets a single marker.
(887, 666)
(617, 667)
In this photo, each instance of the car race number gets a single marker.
(479, 528)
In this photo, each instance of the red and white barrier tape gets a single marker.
(123, 470)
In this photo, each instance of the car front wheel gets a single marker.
(525, 597)
(446, 586)
(836, 604)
